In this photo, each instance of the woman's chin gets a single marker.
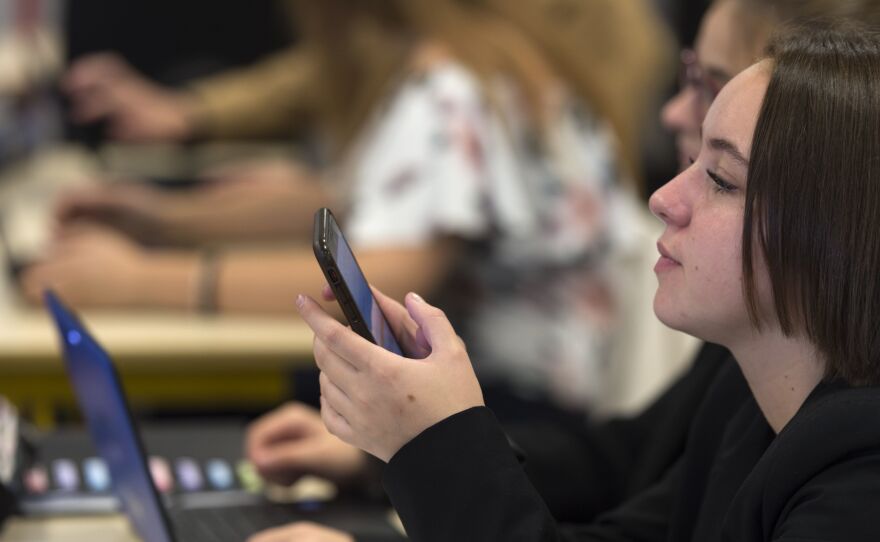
(670, 315)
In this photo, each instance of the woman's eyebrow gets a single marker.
(726, 146)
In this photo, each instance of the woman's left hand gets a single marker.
(379, 401)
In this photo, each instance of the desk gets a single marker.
(110, 528)
(166, 359)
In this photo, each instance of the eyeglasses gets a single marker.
(705, 85)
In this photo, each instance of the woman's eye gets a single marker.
(720, 184)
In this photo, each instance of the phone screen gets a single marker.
(370, 315)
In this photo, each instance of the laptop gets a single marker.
(169, 518)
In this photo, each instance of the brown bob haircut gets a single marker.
(813, 194)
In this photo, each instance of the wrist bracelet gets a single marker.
(206, 287)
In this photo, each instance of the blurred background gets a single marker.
(160, 162)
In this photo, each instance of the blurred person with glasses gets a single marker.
(719, 54)
(732, 35)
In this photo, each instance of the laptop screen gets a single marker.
(103, 404)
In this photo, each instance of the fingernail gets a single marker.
(416, 297)
(300, 301)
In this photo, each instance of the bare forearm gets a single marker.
(234, 216)
(269, 281)
(398, 271)
(169, 279)
(271, 97)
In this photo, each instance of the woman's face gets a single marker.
(721, 52)
(700, 269)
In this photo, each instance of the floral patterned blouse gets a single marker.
(530, 297)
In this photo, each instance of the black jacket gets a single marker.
(819, 479)
(582, 470)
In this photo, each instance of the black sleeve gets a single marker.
(582, 469)
(459, 480)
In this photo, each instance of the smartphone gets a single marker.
(348, 283)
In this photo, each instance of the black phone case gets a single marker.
(331, 272)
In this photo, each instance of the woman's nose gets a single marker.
(669, 203)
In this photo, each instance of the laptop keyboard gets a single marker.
(237, 523)
(229, 523)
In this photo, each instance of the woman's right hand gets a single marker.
(291, 442)
(377, 400)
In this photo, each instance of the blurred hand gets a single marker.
(292, 441)
(140, 211)
(250, 201)
(379, 401)
(104, 87)
(88, 265)
(301, 532)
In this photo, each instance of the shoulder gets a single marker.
(434, 72)
(824, 468)
(834, 422)
(427, 96)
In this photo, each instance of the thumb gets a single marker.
(435, 330)
(285, 455)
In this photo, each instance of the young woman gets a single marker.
(770, 250)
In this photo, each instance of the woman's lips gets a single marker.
(666, 261)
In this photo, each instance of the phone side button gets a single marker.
(334, 277)
(350, 309)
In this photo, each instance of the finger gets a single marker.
(327, 293)
(91, 103)
(337, 398)
(79, 239)
(339, 370)
(63, 247)
(74, 204)
(405, 329)
(437, 331)
(301, 531)
(33, 283)
(345, 343)
(42, 277)
(94, 200)
(85, 109)
(335, 423)
(122, 128)
(275, 534)
(288, 422)
(95, 67)
(304, 455)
